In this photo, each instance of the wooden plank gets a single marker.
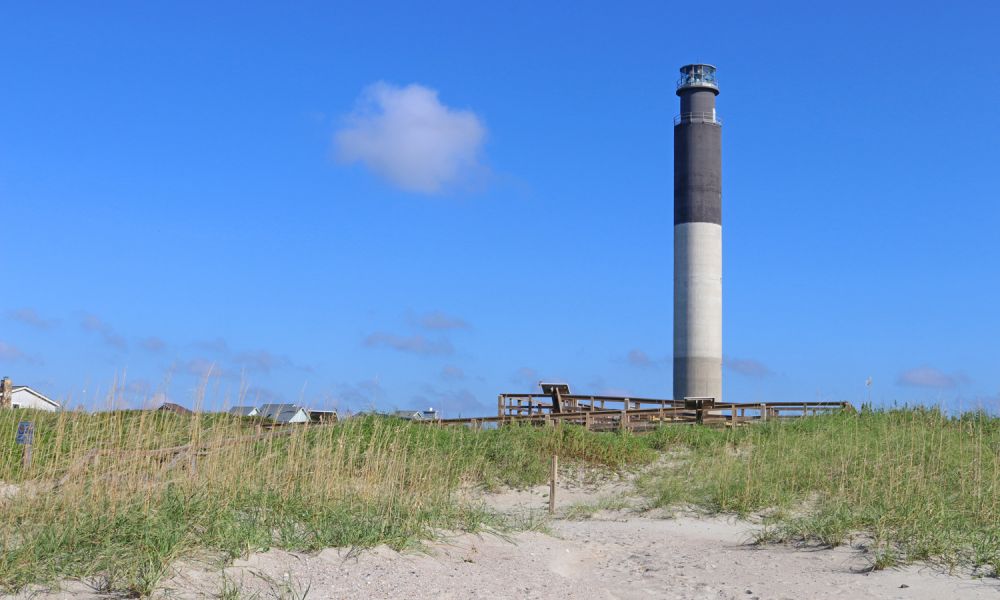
(553, 476)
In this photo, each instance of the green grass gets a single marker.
(922, 485)
(580, 511)
(127, 516)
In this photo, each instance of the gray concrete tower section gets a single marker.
(697, 237)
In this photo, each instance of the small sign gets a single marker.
(25, 433)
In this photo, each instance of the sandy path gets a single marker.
(626, 553)
(687, 558)
(614, 554)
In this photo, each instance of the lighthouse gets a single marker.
(697, 236)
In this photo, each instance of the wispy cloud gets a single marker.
(157, 400)
(459, 402)
(203, 368)
(438, 321)
(259, 360)
(29, 316)
(415, 344)
(929, 377)
(452, 373)
(747, 366)
(638, 358)
(599, 386)
(525, 375)
(361, 395)
(261, 395)
(216, 346)
(262, 361)
(141, 393)
(95, 324)
(152, 344)
(11, 353)
(407, 136)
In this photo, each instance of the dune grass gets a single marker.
(99, 502)
(918, 484)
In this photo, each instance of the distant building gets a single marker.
(417, 415)
(284, 413)
(175, 408)
(23, 396)
(244, 411)
(323, 416)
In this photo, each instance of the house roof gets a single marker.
(281, 413)
(40, 396)
(268, 410)
(176, 408)
(242, 411)
(286, 416)
(406, 413)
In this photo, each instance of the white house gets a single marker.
(284, 413)
(23, 396)
(417, 415)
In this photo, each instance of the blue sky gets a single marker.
(408, 205)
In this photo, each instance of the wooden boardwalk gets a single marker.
(610, 413)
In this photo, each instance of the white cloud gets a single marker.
(438, 320)
(262, 360)
(13, 353)
(29, 316)
(95, 324)
(929, 377)
(408, 137)
(747, 366)
(525, 375)
(152, 344)
(203, 368)
(415, 344)
(452, 373)
(638, 358)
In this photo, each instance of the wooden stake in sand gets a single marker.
(26, 439)
(553, 474)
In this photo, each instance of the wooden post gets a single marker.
(624, 420)
(500, 406)
(588, 421)
(553, 476)
(6, 392)
(26, 439)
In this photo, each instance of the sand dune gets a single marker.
(626, 553)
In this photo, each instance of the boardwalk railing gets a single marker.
(606, 413)
(639, 419)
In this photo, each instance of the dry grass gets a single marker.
(919, 484)
(101, 501)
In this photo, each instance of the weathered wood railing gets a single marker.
(605, 413)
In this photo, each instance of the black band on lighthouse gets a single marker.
(697, 173)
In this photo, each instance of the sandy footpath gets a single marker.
(621, 553)
(685, 558)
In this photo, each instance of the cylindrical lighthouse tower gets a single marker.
(697, 237)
